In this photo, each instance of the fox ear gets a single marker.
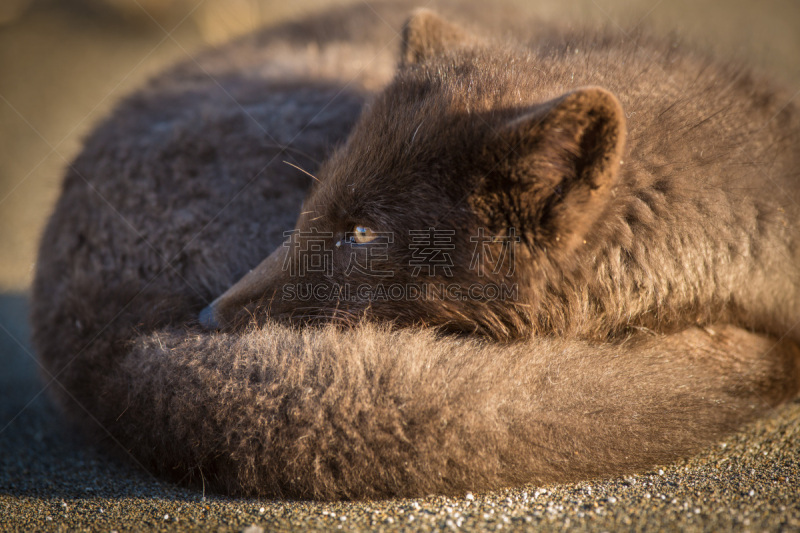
(426, 34)
(563, 160)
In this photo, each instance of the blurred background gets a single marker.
(64, 64)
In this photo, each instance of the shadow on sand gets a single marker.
(40, 456)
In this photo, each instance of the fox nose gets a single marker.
(207, 317)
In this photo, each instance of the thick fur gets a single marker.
(690, 220)
(373, 413)
(183, 190)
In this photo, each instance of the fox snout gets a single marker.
(258, 285)
(208, 318)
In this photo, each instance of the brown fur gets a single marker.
(692, 220)
(373, 413)
(182, 191)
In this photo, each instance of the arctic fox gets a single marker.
(687, 212)
(625, 212)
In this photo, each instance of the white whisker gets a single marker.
(303, 171)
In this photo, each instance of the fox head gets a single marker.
(462, 185)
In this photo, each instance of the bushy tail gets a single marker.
(370, 413)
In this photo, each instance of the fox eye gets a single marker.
(362, 235)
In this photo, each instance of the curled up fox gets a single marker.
(304, 266)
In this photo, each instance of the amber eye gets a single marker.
(362, 235)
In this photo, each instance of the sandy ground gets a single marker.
(62, 69)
